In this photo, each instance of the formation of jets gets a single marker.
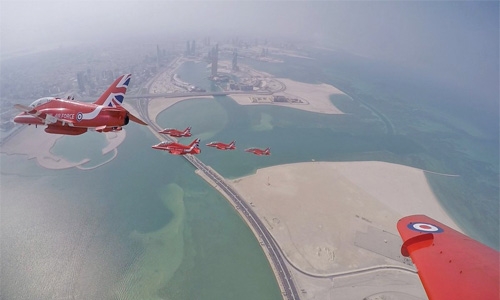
(193, 148)
(181, 149)
(67, 116)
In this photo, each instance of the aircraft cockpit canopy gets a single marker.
(40, 101)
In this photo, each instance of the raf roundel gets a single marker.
(425, 227)
(79, 116)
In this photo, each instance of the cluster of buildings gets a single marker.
(83, 72)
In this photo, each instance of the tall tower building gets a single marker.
(215, 58)
(158, 54)
(193, 48)
(235, 60)
(80, 77)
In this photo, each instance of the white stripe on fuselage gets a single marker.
(91, 115)
(112, 97)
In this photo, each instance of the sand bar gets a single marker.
(314, 97)
(321, 212)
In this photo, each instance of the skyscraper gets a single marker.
(215, 58)
(80, 77)
(193, 48)
(158, 54)
(235, 60)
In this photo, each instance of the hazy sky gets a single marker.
(458, 38)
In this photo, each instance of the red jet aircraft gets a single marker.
(177, 133)
(222, 146)
(450, 264)
(64, 116)
(258, 151)
(179, 149)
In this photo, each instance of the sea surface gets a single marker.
(145, 226)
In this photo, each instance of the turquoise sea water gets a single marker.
(145, 226)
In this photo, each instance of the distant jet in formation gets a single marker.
(222, 146)
(177, 133)
(179, 149)
(70, 117)
(258, 151)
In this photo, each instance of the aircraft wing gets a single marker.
(46, 118)
(176, 151)
(136, 119)
(450, 264)
(131, 116)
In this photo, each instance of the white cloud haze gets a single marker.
(453, 38)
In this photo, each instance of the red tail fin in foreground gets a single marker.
(114, 95)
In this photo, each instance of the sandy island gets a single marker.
(315, 210)
(315, 97)
(333, 218)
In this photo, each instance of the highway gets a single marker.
(290, 291)
(274, 252)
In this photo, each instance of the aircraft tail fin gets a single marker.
(114, 95)
(194, 144)
(187, 130)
